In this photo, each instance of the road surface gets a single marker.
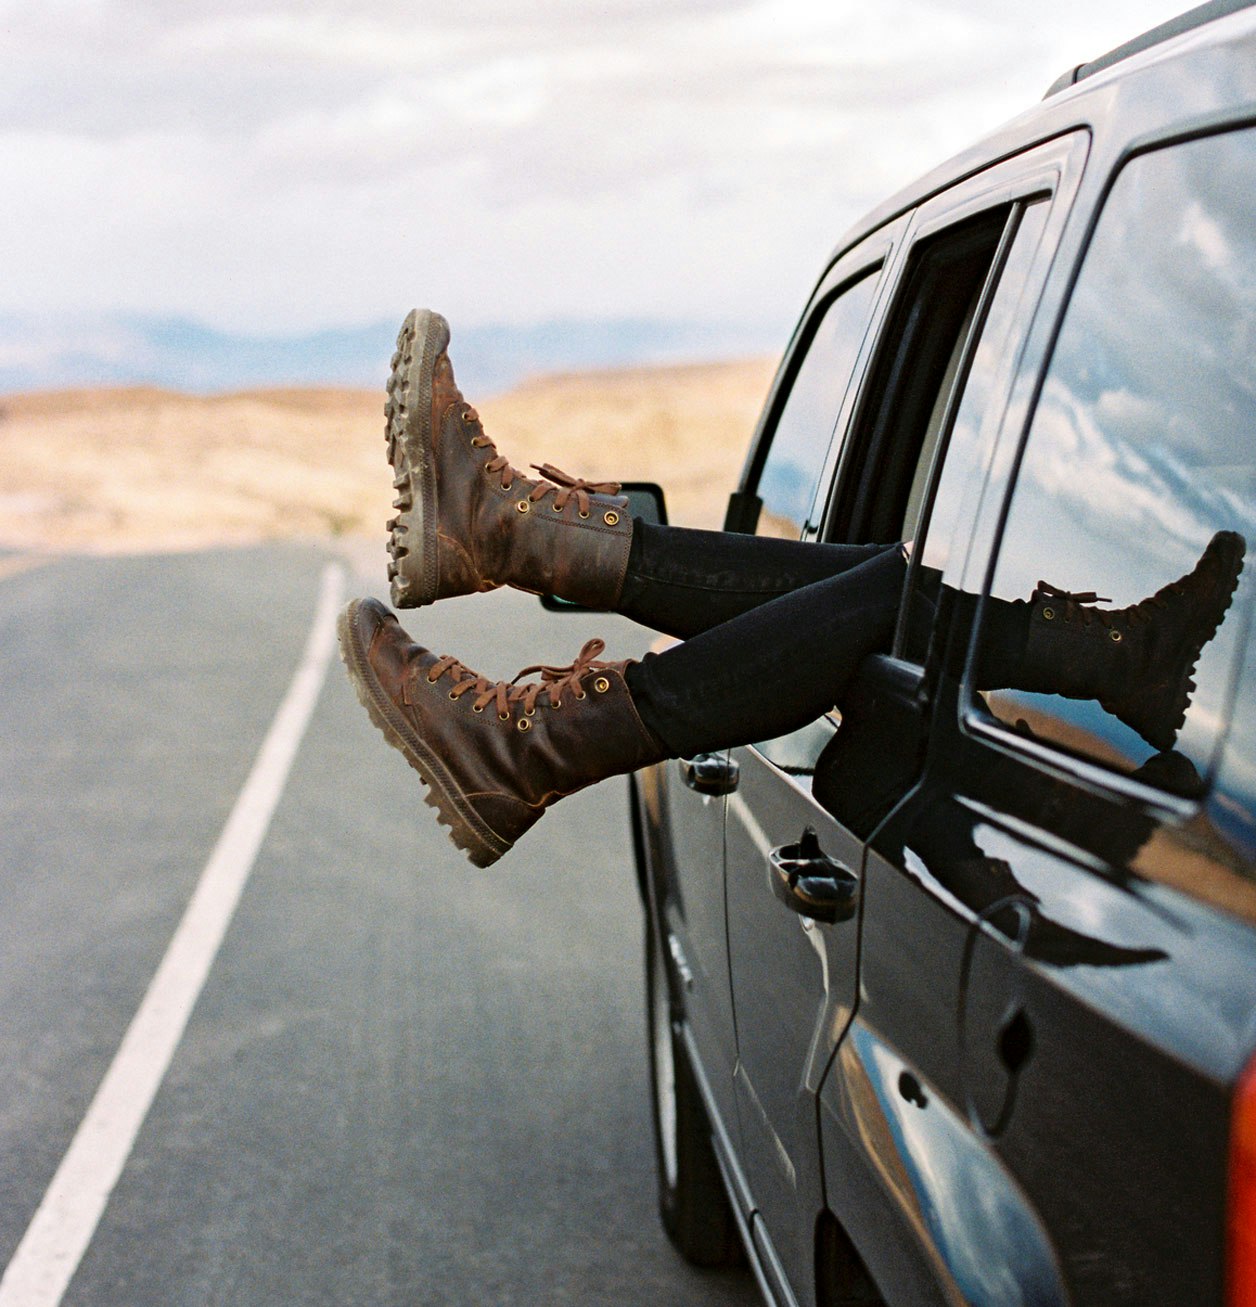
(404, 1081)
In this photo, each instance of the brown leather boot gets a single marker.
(469, 521)
(1138, 662)
(495, 754)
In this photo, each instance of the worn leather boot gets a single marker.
(467, 520)
(494, 754)
(1138, 662)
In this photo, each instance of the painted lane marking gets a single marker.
(67, 1217)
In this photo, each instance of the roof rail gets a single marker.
(1174, 27)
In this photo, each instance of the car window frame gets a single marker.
(872, 256)
(1051, 168)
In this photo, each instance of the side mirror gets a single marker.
(645, 500)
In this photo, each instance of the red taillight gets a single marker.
(1242, 1209)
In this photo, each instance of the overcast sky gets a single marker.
(286, 165)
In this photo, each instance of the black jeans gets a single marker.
(773, 630)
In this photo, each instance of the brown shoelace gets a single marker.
(507, 694)
(564, 486)
(1075, 601)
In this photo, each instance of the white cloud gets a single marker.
(284, 164)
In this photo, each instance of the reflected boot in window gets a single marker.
(495, 754)
(1138, 662)
(469, 521)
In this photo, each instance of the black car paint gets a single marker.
(1034, 1031)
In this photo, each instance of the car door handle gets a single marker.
(711, 773)
(810, 883)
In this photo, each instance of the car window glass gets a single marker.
(795, 460)
(789, 477)
(1139, 468)
(964, 451)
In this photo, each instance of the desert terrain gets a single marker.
(142, 469)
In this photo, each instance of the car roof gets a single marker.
(1186, 22)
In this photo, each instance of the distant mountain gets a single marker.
(185, 355)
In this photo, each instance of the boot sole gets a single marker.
(1163, 732)
(482, 845)
(413, 576)
(1232, 549)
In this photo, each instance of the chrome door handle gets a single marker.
(810, 883)
(711, 773)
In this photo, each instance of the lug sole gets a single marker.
(482, 845)
(1161, 730)
(413, 573)
(1232, 552)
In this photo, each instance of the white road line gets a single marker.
(63, 1225)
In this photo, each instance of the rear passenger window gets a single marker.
(961, 453)
(791, 473)
(1140, 452)
(881, 494)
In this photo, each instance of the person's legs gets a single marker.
(497, 754)
(468, 521)
(774, 667)
(682, 581)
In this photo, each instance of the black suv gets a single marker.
(953, 999)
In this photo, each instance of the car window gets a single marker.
(1139, 467)
(791, 472)
(881, 491)
(955, 459)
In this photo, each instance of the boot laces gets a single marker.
(562, 484)
(507, 694)
(1076, 603)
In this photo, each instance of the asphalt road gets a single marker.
(406, 1081)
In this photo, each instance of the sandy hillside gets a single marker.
(138, 469)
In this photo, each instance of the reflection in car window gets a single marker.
(1140, 451)
(787, 483)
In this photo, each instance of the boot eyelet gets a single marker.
(611, 519)
(523, 724)
(467, 415)
(503, 716)
(477, 709)
(556, 508)
(1115, 637)
(529, 712)
(582, 697)
(584, 515)
(601, 685)
(431, 680)
(524, 506)
(1048, 614)
(453, 696)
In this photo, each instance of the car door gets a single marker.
(787, 458)
(1060, 955)
(794, 973)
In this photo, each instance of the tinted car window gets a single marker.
(787, 483)
(1140, 449)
